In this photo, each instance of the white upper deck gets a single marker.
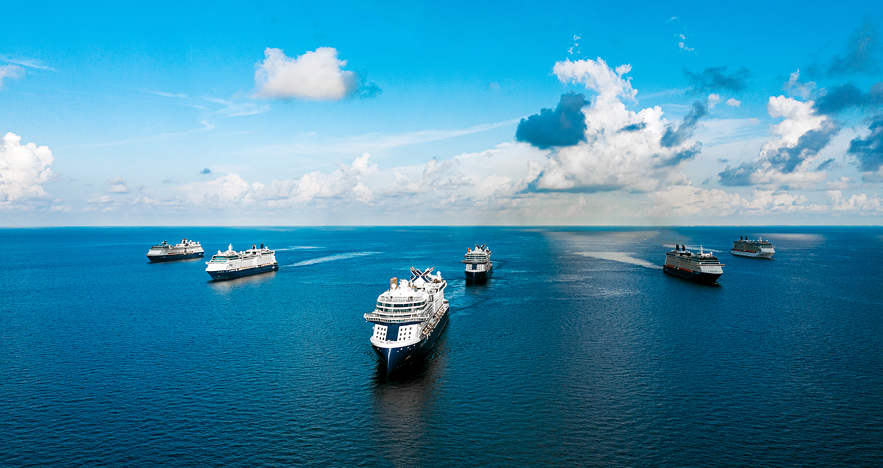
(410, 301)
(481, 254)
(185, 246)
(232, 260)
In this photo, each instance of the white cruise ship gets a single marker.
(702, 267)
(409, 318)
(478, 264)
(232, 264)
(753, 248)
(166, 253)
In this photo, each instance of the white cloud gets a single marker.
(713, 99)
(841, 184)
(315, 75)
(10, 71)
(118, 185)
(597, 76)
(686, 200)
(23, 168)
(786, 159)
(861, 203)
(734, 102)
(622, 148)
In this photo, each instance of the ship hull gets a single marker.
(699, 277)
(749, 254)
(227, 274)
(395, 358)
(479, 276)
(173, 257)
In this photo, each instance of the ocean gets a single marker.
(578, 352)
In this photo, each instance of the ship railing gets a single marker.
(388, 319)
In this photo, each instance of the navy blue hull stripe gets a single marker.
(225, 275)
(705, 278)
(171, 258)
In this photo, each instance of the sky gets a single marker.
(441, 113)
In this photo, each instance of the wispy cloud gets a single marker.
(25, 62)
(206, 126)
(376, 141)
(237, 109)
(171, 95)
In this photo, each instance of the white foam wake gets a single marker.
(622, 257)
(331, 258)
(299, 247)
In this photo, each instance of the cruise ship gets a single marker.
(702, 267)
(166, 253)
(232, 264)
(753, 248)
(478, 264)
(409, 318)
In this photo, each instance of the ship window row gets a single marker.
(399, 311)
(400, 306)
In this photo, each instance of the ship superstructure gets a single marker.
(478, 264)
(408, 318)
(703, 267)
(232, 264)
(165, 252)
(756, 248)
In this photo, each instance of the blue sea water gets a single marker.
(578, 352)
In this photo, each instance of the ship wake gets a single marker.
(331, 258)
(621, 257)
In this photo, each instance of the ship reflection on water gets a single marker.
(403, 402)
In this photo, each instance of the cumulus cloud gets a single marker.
(785, 160)
(622, 149)
(597, 76)
(563, 126)
(734, 102)
(859, 202)
(687, 200)
(861, 55)
(869, 150)
(11, 72)
(717, 79)
(316, 75)
(23, 168)
(118, 185)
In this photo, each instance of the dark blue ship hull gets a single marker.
(171, 258)
(396, 358)
(479, 276)
(226, 275)
(704, 278)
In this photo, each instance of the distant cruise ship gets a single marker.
(753, 248)
(166, 253)
(409, 318)
(232, 264)
(478, 264)
(702, 267)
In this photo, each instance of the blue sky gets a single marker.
(230, 114)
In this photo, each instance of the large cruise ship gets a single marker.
(166, 253)
(753, 248)
(408, 318)
(232, 264)
(702, 267)
(478, 264)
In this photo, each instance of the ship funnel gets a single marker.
(393, 282)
